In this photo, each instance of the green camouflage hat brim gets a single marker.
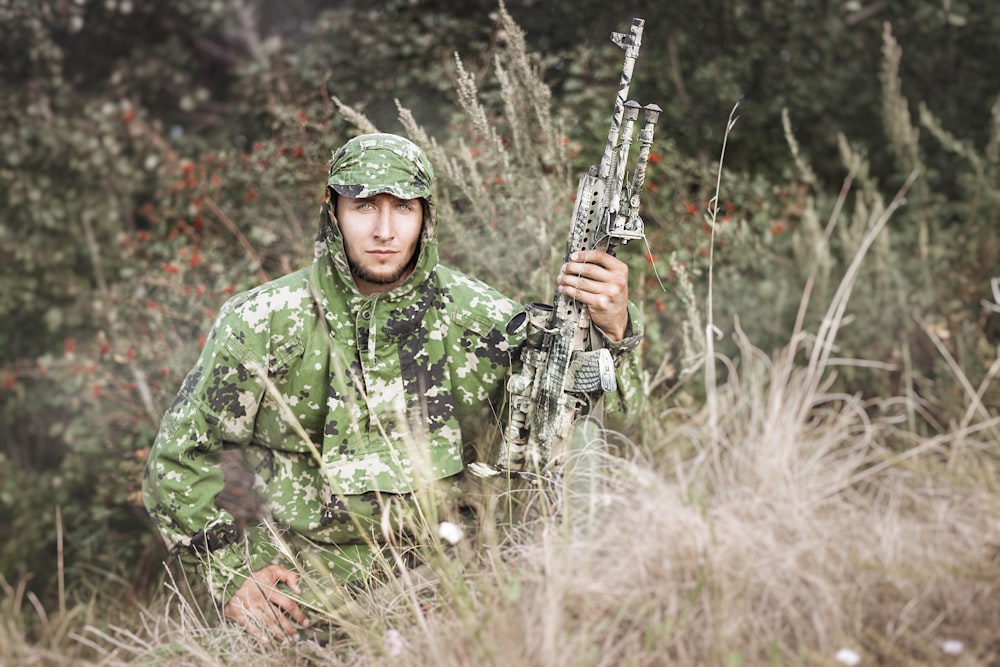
(373, 164)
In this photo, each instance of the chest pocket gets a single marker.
(289, 397)
(281, 359)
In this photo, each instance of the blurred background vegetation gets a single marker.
(158, 157)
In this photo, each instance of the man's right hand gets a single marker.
(262, 610)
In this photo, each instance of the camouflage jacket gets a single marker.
(386, 390)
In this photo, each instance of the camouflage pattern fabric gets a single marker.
(375, 163)
(393, 392)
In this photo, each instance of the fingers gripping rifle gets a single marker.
(565, 367)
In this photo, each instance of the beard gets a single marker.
(385, 276)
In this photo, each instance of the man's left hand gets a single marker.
(599, 280)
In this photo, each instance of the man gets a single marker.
(347, 387)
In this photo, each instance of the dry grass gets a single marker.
(799, 524)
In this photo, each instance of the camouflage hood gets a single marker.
(365, 166)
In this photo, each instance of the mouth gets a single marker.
(383, 254)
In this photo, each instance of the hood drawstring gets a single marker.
(372, 333)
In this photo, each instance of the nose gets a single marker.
(384, 227)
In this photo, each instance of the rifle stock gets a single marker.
(565, 367)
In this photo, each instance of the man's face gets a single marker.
(381, 237)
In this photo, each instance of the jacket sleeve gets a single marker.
(215, 408)
(628, 400)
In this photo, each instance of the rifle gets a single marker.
(565, 367)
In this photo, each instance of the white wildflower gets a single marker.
(450, 532)
(846, 656)
(953, 647)
(393, 642)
